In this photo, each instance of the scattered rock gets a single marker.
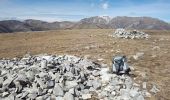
(44, 63)
(68, 96)
(86, 96)
(146, 93)
(138, 55)
(100, 59)
(140, 97)
(5, 94)
(144, 85)
(58, 90)
(134, 34)
(156, 48)
(50, 83)
(154, 89)
(48, 77)
(70, 84)
(59, 98)
(96, 84)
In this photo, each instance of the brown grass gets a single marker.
(97, 44)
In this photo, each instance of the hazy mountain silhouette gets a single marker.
(97, 22)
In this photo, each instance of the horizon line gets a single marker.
(45, 19)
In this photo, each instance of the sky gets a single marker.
(74, 10)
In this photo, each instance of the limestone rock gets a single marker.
(58, 91)
(86, 96)
(132, 34)
(68, 96)
(47, 77)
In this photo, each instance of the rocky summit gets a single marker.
(52, 77)
(134, 34)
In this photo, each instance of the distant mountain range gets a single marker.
(97, 22)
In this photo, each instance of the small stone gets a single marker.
(144, 85)
(46, 97)
(58, 91)
(59, 98)
(41, 83)
(92, 89)
(146, 93)
(108, 88)
(140, 97)
(126, 96)
(68, 96)
(7, 82)
(11, 97)
(77, 93)
(72, 91)
(70, 84)
(95, 73)
(40, 91)
(44, 63)
(85, 91)
(50, 91)
(32, 96)
(134, 92)
(30, 75)
(1, 80)
(39, 98)
(113, 93)
(69, 76)
(50, 84)
(86, 96)
(138, 55)
(81, 86)
(42, 74)
(57, 77)
(100, 59)
(96, 84)
(104, 93)
(104, 65)
(24, 95)
(154, 89)
(52, 75)
(52, 97)
(19, 95)
(18, 86)
(132, 68)
(5, 94)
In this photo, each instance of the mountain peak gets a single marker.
(107, 18)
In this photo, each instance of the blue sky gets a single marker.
(74, 10)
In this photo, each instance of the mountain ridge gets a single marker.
(95, 22)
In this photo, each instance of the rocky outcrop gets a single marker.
(130, 34)
(64, 78)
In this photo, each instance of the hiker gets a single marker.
(120, 65)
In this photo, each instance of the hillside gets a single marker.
(9, 26)
(139, 23)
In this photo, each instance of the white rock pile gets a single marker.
(50, 77)
(134, 34)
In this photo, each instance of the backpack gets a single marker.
(120, 65)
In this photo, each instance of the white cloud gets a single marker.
(105, 5)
